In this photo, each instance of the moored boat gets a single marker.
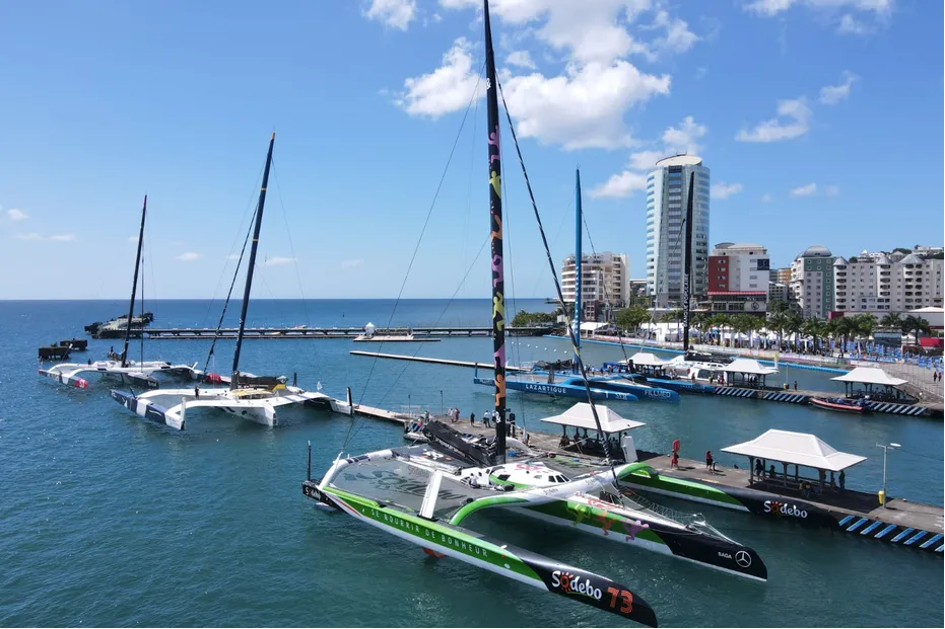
(843, 405)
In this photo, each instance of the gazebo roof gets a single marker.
(647, 359)
(581, 416)
(749, 366)
(799, 448)
(870, 375)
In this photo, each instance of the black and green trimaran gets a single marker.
(424, 506)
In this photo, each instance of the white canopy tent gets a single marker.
(647, 359)
(793, 448)
(581, 416)
(749, 366)
(870, 375)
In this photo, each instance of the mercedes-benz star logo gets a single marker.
(743, 559)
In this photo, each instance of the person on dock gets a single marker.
(197, 392)
(486, 418)
(843, 480)
(674, 461)
(759, 469)
(472, 419)
(709, 461)
(512, 424)
(795, 385)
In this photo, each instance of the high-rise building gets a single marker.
(605, 280)
(667, 190)
(781, 276)
(738, 278)
(812, 281)
(887, 282)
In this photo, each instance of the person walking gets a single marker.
(709, 461)
(472, 419)
(512, 424)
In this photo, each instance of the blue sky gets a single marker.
(818, 118)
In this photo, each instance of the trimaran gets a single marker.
(425, 494)
(255, 398)
(140, 373)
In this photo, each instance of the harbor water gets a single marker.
(108, 520)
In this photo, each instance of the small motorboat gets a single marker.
(840, 404)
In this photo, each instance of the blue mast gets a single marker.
(578, 232)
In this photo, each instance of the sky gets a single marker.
(813, 116)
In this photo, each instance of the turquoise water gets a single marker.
(107, 520)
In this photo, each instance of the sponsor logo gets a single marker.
(573, 584)
(784, 508)
(545, 388)
(659, 394)
(743, 559)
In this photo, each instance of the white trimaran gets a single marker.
(119, 365)
(247, 396)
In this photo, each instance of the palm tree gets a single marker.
(778, 322)
(844, 328)
(918, 324)
(794, 323)
(816, 329)
(892, 320)
(865, 324)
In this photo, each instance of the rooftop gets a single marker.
(798, 448)
(816, 251)
(582, 416)
(679, 160)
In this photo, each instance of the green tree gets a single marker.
(915, 324)
(892, 320)
(720, 321)
(793, 325)
(865, 324)
(778, 322)
(523, 319)
(815, 328)
(629, 319)
(844, 328)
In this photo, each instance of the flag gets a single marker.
(776, 360)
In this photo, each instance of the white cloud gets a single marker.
(279, 260)
(683, 139)
(520, 58)
(677, 38)
(833, 94)
(805, 191)
(675, 140)
(723, 190)
(766, 198)
(645, 160)
(812, 189)
(133, 240)
(877, 10)
(849, 25)
(350, 264)
(53, 238)
(776, 129)
(446, 89)
(393, 13)
(233, 256)
(17, 215)
(584, 107)
(190, 256)
(771, 8)
(620, 185)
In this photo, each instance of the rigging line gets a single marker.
(426, 222)
(249, 204)
(472, 159)
(607, 295)
(229, 294)
(295, 260)
(554, 274)
(420, 346)
(515, 344)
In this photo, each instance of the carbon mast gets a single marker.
(687, 266)
(495, 214)
(234, 381)
(578, 259)
(134, 285)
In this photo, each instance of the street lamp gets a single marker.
(886, 448)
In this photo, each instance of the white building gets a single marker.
(605, 279)
(812, 278)
(667, 190)
(881, 282)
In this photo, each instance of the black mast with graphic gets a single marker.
(687, 265)
(134, 286)
(495, 213)
(234, 381)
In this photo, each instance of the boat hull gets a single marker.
(832, 406)
(558, 390)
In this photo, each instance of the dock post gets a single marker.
(350, 401)
(295, 379)
(308, 467)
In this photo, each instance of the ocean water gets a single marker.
(108, 520)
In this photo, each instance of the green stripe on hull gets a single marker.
(650, 479)
(435, 534)
(579, 513)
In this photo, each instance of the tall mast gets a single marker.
(578, 259)
(687, 264)
(134, 285)
(495, 214)
(234, 381)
